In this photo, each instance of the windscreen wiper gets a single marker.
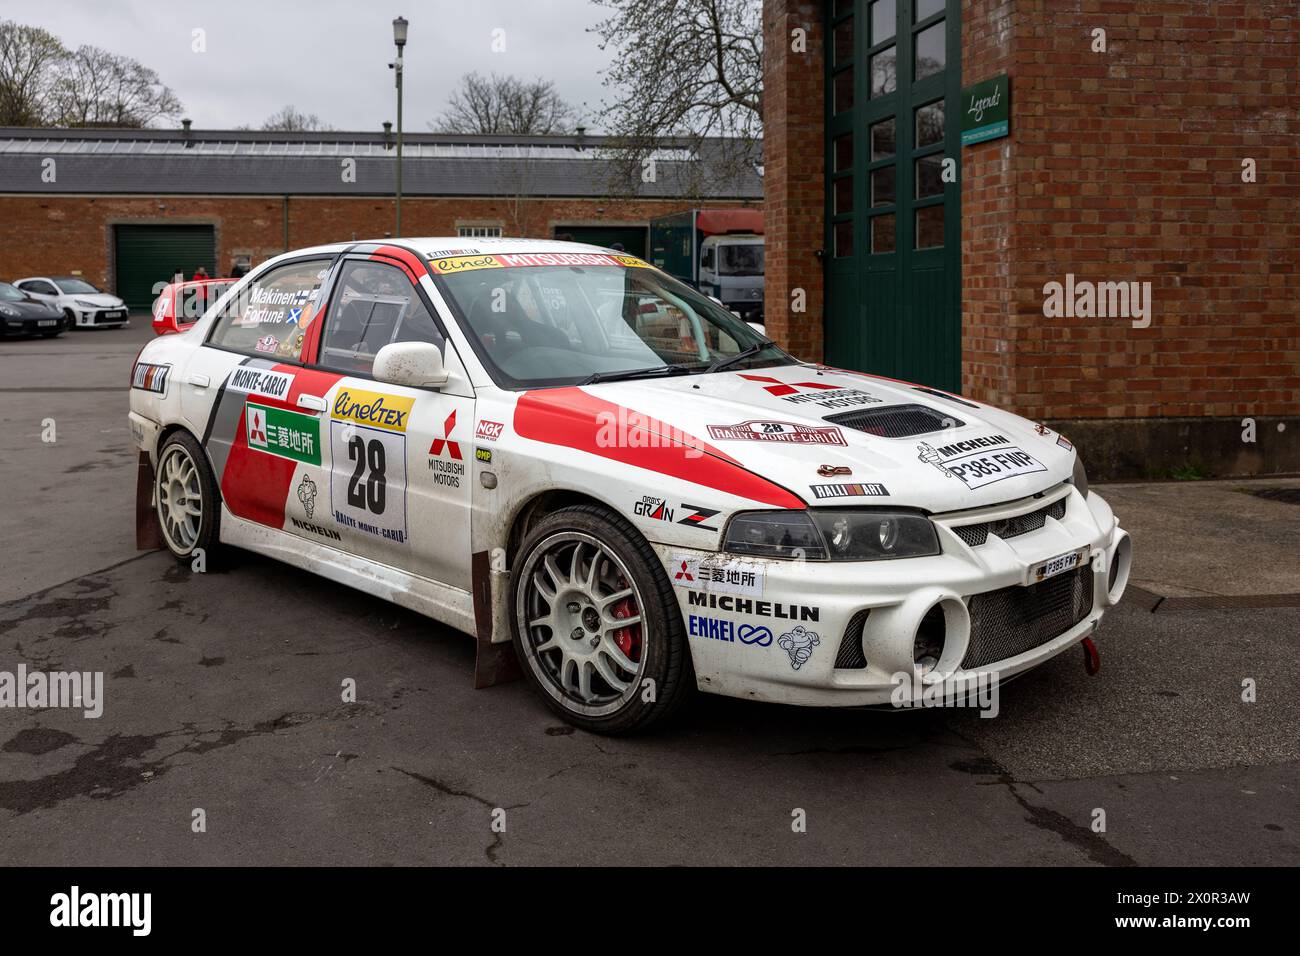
(730, 360)
(652, 372)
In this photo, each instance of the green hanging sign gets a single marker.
(986, 110)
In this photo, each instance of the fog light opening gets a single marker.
(940, 639)
(927, 646)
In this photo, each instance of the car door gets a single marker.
(242, 392)
(398, 489)
(40, 289)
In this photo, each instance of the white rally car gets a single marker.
(560, 447)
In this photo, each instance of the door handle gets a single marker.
(314, 402)
(200, 381)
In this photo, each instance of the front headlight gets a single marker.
(1080, 477)
(832, 535)
(8, 312)
(86, 305)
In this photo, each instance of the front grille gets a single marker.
(1011, 621)
(850, 656)
(896, 421)
(976, 534)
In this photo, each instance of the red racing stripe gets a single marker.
(575, 419)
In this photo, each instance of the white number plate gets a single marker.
(46, 323)
(113, 315)
(1057, 565)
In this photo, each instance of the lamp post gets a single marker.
(399, 37)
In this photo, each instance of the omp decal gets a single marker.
(484, 455)
(698, 516)
(278, 431)
(727, 575)
(790, 433)
(374, 409)
(573, 418)
(869, 490)
(448, 265)
(150, 378)
(260, 381)
(799, 644)
(748, 606)
(720, 629)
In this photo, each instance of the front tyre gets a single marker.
(596, 624)
(185, 497)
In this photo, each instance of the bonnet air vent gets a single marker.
(896, 421)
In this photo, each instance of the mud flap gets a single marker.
(495, 661)
(148, 532)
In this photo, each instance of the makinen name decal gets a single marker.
(370, 408)
(733, 605)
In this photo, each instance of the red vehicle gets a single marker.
(181, 303)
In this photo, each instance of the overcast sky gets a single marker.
(329, 57)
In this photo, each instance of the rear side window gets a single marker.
(271, 315)
(373, 304)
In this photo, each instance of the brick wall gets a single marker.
(65, 233)
(793, 179)
(1127, 166)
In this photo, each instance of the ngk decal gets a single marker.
(821, 394)
(488, 431)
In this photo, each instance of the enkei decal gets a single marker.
(488, 431)
(368, 480)
(744, 605)
(868, 490)
(698, 516)
(731, 576)
(278, 431)
(790, 433)
(260, 381)
(799, 644)
(968, 461)
(150, 378)
(821, 394)
(655, 509)
(720, 629)
(389, 412)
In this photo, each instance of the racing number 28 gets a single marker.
(367, 490)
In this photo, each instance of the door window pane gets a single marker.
(269, 317)
(925, 8)
(931, 53)
(883, 139)
(844, 194)
(929, 176)
(843, 152)
(844, 90)
(884, 72)
(882, 186)
(844, 42)
(375, 304)
(929, 124)
(882, 233)
(843, 239)
(929, 227)
(884, 15)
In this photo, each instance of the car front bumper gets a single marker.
(33, 325)
(843, 634)
(103, 318)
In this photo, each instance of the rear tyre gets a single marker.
(186, 499)
(596, 624)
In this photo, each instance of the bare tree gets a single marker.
(99, 88)
(684, 69)
(290, 120)
(505, 105)
(29, 61)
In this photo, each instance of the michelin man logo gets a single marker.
(799, 644)
(307, 495)
(931, 457)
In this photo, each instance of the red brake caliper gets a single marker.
(628, 638)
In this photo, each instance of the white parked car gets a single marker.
(85, 306)
(560, 447)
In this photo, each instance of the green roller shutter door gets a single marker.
(147, 255)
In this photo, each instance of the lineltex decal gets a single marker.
(720, 629)
(790, 433)
(731, 576)
(150, 378)
(969, 460)
(278, 431)
(260, 381)
(450, 265)
(868, 490)
(389, 412)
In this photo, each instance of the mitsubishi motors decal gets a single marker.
(819, 394)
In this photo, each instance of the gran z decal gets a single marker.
(698, 516)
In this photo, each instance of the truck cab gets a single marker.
(731, 270)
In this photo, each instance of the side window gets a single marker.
(374, 304)
(271, 315)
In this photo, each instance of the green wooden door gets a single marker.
(146, 255)
(893, 254)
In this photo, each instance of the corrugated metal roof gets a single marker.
(228, 162)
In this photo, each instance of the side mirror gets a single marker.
(758, 327)
(418, 364)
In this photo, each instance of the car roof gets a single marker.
(431, 246)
